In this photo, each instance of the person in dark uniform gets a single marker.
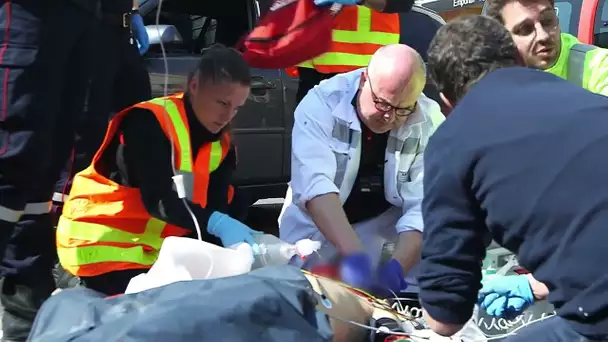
(120, 80)
(147, 148)
(522, 156)
(46, 50)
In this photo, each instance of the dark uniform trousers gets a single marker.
(308, 79)
(120, 80)
(45, 54)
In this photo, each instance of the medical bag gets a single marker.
(291, 32)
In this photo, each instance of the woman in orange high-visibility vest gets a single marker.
(157, 157)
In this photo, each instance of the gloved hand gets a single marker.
(230, 231)
(506, 296)
(140, 33)
(356, 270)
(389, 280)
(341, 2)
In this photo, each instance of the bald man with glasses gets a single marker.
(356, 170)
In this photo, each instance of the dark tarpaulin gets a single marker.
(269, 304)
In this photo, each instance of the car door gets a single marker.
(600, 27)
(260, 126)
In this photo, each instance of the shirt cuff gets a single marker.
(317, 188)
(409, 222)
(454, 315)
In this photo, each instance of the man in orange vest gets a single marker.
(164, 169)
(358, 32)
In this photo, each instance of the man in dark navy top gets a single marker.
(522, 156)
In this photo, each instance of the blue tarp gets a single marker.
(269, 304)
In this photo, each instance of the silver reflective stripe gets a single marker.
(409, 146)
(341, 161)
(576, 63)
(188, 178)
(10, 215)
(59, 197)
(344, 134)
(38, 208)
(407, 149)
(341, 131)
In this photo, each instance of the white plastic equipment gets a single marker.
(182, 259)
(274, 251)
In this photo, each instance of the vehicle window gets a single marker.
(202, 23)
(568, 13)
(600, 31)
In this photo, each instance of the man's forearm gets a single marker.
(408, 249)
(135, 4)
(329, 217)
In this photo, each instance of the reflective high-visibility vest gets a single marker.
(105, 227)
(358, 32)
(582, 64)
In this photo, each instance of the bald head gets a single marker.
(390, 87)
(397, 69)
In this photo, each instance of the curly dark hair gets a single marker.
(493, 8)
(466, 49)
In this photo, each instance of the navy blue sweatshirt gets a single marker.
(524, 156)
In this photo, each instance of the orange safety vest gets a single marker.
(357, 34)
(105, 227)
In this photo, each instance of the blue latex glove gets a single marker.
(389, 280)
(342, 2)
(231, 231)
(140, 33)
(356, 270)
(506, 296)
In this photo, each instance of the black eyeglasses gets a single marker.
(386, 107)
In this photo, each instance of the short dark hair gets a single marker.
(466, 49)
(223, 64)
(493, 8)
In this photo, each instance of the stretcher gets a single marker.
(268, 304)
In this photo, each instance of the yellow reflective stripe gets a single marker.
(183, 137)
(93, 232)
(215, 157)
(86, 255)
(306, 64)
(364, 34)
(84, 231)
(342, 58)
(364, 19)
(595, 74)
(356, 37)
